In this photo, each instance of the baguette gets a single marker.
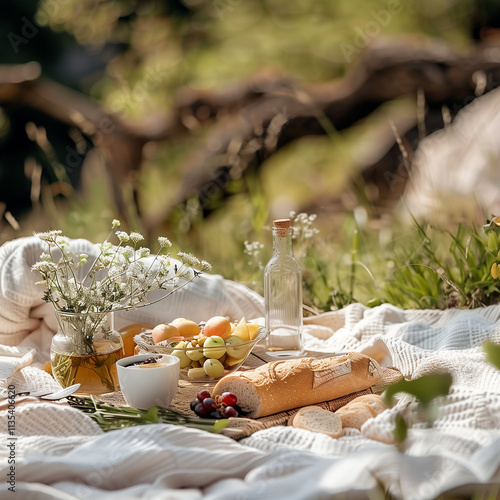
(284, 385)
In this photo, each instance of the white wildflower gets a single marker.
(164, 242)
(44, 267)
(119, 277)
(253, 249)
(205, 266)
(49, 236)
(135, 237)
(188, 258)
(128, 252)
(303, 226)
(116, 223)
(105, 248)
(122, 236)
(143, 252)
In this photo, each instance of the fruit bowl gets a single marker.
(203, 359)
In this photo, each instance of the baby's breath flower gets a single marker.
(44, 267)
(119, 277)
(205, 266)
(188, 259)
(105, 247)
(128, 252)
(164, 242)
(135, 237)
(122, 236)
(253, 249)
(116, 223)
(46, 257)
(49, 236)
(303, 226)
(144, 252)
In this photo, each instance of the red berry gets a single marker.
(230, 412)
(209, 404)
(203, 395)
(229, 399)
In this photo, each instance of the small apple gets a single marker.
(194, 354)
(210, 345)
(234, 347)
(213, 368)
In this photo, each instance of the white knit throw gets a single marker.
(61, 453)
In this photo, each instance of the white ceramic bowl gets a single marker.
(144, 386)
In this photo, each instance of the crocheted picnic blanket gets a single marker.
(59, 452)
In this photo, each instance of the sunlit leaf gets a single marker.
(401, 429)
(425, 388)
(492, 353)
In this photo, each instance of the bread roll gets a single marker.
(316, 419)
(284, 385)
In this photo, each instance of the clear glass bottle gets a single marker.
(283, 294)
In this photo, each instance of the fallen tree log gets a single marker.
(251, 120)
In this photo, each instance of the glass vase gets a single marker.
(85, 350)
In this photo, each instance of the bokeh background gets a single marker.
(203, 120)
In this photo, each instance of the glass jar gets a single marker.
(283, 295)
(85, 350)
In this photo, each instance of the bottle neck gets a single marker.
(282, 245)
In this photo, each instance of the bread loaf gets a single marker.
(284, 385)
(316, 419)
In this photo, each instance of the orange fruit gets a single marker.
(217, 326)
(187, 328)
(176, 321)
(128, 333)
(164, 332)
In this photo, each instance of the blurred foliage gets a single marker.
(426, 390)
(169, 44)
(492, 353)
(134, 57)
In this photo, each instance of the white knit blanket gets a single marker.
(62, 453)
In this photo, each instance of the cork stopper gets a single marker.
(282, 227)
